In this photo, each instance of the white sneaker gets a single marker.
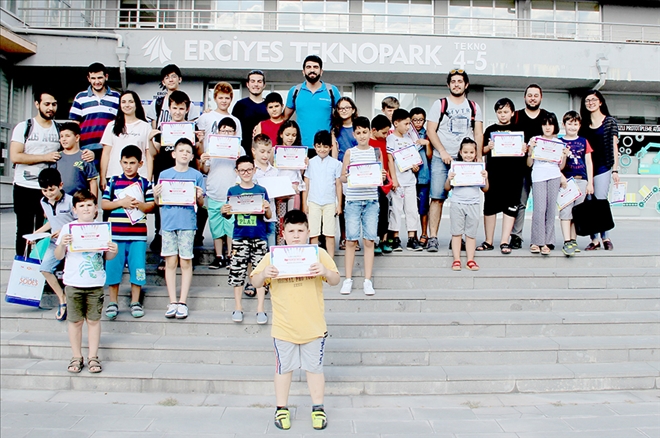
(171, 310)
(182, 311)
(346, 287)
(368, 287)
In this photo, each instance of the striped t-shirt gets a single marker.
(362, 193)
(93, 114)
(122, 229)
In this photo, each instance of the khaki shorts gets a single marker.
(84, 303)
(290, 356)
(322, 215)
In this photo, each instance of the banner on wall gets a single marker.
(639, 146)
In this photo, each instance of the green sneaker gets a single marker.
(575, 245)
(568, 249)
(319, 420)
(378, 250)
(386, 247)
(283, 419)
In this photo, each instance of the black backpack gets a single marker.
(29, 127)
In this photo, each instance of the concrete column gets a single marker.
(364, 98)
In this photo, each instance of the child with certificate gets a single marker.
(84, 278)
(418, 119)
(289, 135)
(299, 329)
(464, 209)
(275, 108)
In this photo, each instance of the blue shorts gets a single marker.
(423, 198)
(361, 216)
(439, 171)
(49, 262)
(131, 251)
(218, 224)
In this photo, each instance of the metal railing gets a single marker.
(335, 23)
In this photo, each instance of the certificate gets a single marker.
(467, 174)
(277, 186)
(171, 132)
(365, 175)
(222, 146)
(619, 193)
(134, 191)
(568, 194)
(295, 260)
(548, 150)
(406, 158)
(508, 144)
(33, 237)
(246, 204)
(177, 192)
(290, 157)
(90, 237)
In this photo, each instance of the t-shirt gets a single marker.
(60, 213)
(381, 145)
(455, 125)
(394, 143)
(424, 174)
(575, 162)
(269, 128)
(323, 174)
(298, 308)
(94, 113)
(82, 269)
(221, 176)
(76, 173)
(531, 127)
(269, 172)
(180, 217)
(345, 141)
(466, 194)
(250, 114)
(208, 122)
(122, 229)
(41, 141)
(250, 226)
(506, 167)
(137, 133)
(313, 110)
(358, 156)
(545, 170)
(165, 116)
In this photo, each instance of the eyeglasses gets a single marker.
(459, 71)
(418, 120)
(227, 131)
(245, 171)
(344, 108)
(592, 100)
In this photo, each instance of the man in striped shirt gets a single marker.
(93, 109)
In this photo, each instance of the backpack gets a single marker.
(443, 110)
(159, 106)
(327, 86)
(29, 127)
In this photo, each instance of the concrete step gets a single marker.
(341, 380)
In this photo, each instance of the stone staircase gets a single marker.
(522, 323)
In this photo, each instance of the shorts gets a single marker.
(322, 215)
(290, 356)
(361, 216)
(244, 252)
(505, 182)
(219, 225)
(566, 213)
(423, 192)
(49, 263)
(439, 171)
(179, 242)
(464, 219)
(271, 237)
(131, 251)
(83, 303)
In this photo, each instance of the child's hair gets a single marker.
(168, 70)
(178, 97)
(286, 125)
(120, 120)
(82, 196)
(461, 73)
(362, 122)
(572, 115)
(550, 119)
(132, 151)
(244, 159)
(273, 98)
(227, 121)
(390, 102)
(417, 110)
(261, 139)
(505, 101)
(223, 87)
(337, 121)
(466, 140)
(49, 177)
(296, 217)
(323, 138)
(400, 114)
(380, 122)
(70, 126)
(186, 142)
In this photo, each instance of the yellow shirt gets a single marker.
(298, 309)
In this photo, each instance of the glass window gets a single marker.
(565, 19)
(557, 102)
(409, 97)
(482, 17)
(398, 16)
(318, 15)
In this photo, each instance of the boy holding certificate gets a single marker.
(179, 192)
(299, 329)
(127, 198)
(84, 278)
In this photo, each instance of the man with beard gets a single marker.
(527, 120)
(93, 109)
(450, 120)
(313, 101)
(252, 109)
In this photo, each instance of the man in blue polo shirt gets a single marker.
(313, 102)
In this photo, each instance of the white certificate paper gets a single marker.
(171, 132)
(568, 194)
(548, 150)
(90, 237)
(134, 191)
(246, 204)
(619, 193)
(365, 175)
(508, 144)
(290, 157)
(406, 158)
(177, 192)
(222, 146)
(277, 186)
(467, 174)
(294, 260)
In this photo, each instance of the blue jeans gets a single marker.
(362, 216)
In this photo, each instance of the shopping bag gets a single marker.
(39, 249)
(26, 283)
(593, 216)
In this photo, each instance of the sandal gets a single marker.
(472, 265)
(505, 248)
(423, 240)
(75, 365)
(94, 365)
(592, 246)
(485, 246)
(250, 291)
(160, 270)
(456, 266)
(534, 249)
(112, 310)
(61, 312)
(545, 250)
(342, 244)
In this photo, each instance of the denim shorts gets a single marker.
(439, 171)
(361, 216)
(49, 262)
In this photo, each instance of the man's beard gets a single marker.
(46, 117)
(456, 94)
(532, 108)
(312, 80)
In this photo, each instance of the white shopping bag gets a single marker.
(26, 283)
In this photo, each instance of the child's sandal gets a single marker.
(61, 312)
(456, 266)
(94, 364)
(472, 265)
(545, 250)
(534, 249)
(423, 240)
(75, 365)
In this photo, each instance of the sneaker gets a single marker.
(413, 244)
(568, 249)
(112, 310)
(171, 310)
(237, 316)
(262, 318)
(217, 263)
(432, 246)
(319, 420)
(368, 287)
(283, 419)
(575, 246)
(182, 311)
(346, 287)
(396, 245)
(378, 250)
(516, 242)
(386, 247)
(136, 310)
